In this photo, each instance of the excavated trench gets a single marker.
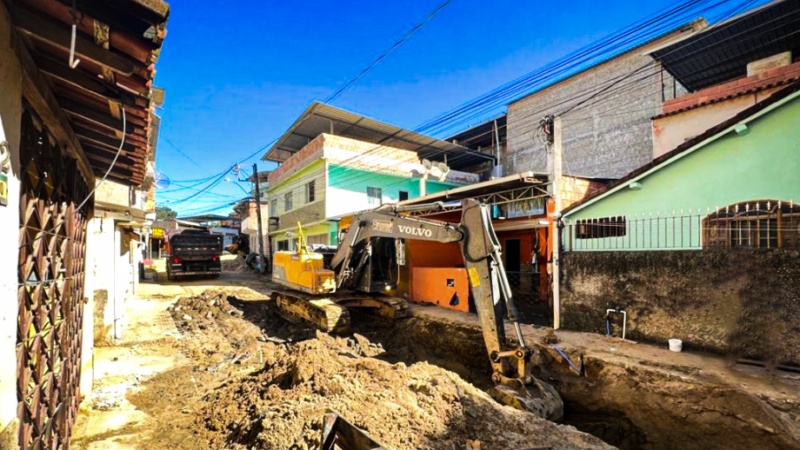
(630, 406)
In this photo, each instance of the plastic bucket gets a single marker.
(676, 345)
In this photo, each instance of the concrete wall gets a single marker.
(295, 186)
(739, 302)
(100, 280)
(607, 139)
(10, 115)
(347, 189)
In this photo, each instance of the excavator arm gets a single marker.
(480, 248)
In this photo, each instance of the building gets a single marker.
(725, 69)
(522, 215)
(699, 245)
(597, 142)
(60, 127)
(247, 210)
(335, 163)
(694, 196)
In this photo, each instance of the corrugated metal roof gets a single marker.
(721, 52)
(322, 118)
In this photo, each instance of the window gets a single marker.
(283, 245)
(287, 201)
(403, 196)
(374, 196)
(760, 224)
(310, 186)
(601, 228)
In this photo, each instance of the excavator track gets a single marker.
(383, 306)
(320, 312)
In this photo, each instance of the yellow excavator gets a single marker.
(365, 267)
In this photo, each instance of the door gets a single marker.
(513, 256)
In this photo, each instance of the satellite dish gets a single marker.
(161, 179)
(427, 164)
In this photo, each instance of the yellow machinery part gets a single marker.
(303, 271)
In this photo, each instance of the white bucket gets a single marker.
(676, 345)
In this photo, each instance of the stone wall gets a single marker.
(743, 303)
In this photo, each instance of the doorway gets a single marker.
(513, 255)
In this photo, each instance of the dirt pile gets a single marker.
(234, 264)
(224, 333)
(403, 407)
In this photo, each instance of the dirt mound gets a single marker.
(224, 331)
(234, 264)
(419, 406)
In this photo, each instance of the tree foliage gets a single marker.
(165, 213)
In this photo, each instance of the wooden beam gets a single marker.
(36, 91)
(87, 135)
(121, 180)
(94, 116)
(109, 151)
(43, 28)
(122, 161)
(138, 48)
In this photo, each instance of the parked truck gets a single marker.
(194, 252)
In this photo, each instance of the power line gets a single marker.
(181, 152)
(383, 55)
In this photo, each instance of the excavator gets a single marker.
(365, 267)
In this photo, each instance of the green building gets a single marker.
(736, 184)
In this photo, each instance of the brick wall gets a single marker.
(607, 139)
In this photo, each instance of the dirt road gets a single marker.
(209, 364)
(145, 380)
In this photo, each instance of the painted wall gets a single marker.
(762, 164)
(10, 115)
(302, 211)
(671, 131)
(347, 189)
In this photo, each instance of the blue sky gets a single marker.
(238, 73)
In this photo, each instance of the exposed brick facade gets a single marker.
(607, 137)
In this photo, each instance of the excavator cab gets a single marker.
(303, 269)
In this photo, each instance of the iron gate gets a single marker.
(52, 243)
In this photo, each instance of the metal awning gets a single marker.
(322, 118)
(721, 52)
(512, 188)
(486, 135)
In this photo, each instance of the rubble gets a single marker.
(416, 406)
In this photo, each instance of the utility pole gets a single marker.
(258, 215)
(557, 173)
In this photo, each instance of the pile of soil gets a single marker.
(234, 264)
(224, 332)
(420, 406)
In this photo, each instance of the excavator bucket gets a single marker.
(535, 396)
(337, 433)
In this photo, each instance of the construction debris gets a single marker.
(417, 406)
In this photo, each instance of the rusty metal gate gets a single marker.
(52, 244)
